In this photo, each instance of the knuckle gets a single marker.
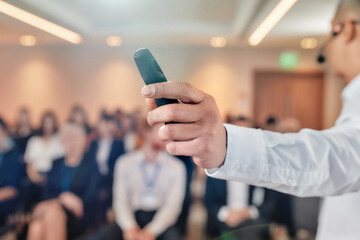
(169, 132)
(187, 85)
(184, 88)
(173, 111)
(160, 88)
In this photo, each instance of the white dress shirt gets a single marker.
(340, 218)
(102, 155)
(308, 163)
(41, 154)
(131, 177)
(237, 198)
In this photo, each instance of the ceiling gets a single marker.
(170, 21)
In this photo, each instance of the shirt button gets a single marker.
(236, 167)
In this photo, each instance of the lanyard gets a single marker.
(67, 175)
(150, 181)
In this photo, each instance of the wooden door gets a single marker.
(297, 95)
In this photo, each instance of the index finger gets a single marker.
(183, 91)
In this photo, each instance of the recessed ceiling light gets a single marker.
(270, 21)
(309, 43)
(39, 22)
(28, 40)
(218, 42)
(114, 41)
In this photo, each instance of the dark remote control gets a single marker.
(151, 72)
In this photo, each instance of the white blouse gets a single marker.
(41, 154)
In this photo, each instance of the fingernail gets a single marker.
(148, 91)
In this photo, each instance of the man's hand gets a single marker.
(198, 131)
(146, 234)
(132, 233)
(236, 217)
(73, 203)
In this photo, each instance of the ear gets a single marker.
(349, 31)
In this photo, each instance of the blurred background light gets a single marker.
(114, 41)
(28, 40)
(39, 23)
(218, 42)
(309, 43)
(270, 21)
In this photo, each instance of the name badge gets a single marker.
(149, 200)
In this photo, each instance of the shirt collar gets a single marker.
(351, 89)
(160, 157)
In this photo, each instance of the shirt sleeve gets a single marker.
(167, 215)
(308, 163)
(124, 215)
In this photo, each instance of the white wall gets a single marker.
(56, 77)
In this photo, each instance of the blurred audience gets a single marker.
(40, 152)
(115, 181)
(79, 116)
(149, 190)
(43, 149)
(23, 130)
(70, 191)
(182, 222)
(234, 206)
(271, 124)
(290, 125)
(105, 150)
(128, 127)
(10, 174)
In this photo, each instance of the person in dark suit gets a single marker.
(23, 130)
(181, 224)
(229, 216)
(105, 150)
(10, 174)
(70, 191)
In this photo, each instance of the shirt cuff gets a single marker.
(245, 156)
(223, 214)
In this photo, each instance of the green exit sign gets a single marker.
(288, 61)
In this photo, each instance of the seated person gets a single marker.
(23, 130)
(10, 174)
(232, 206)
(40, 152)
(43, 149)
(105, 150)
(70, 191)
(149, 191)
(182, 221)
